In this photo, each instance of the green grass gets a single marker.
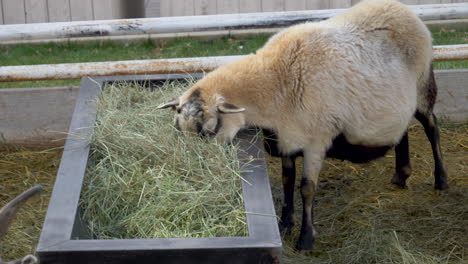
(52, 53)
(450, 37)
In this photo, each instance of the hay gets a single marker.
(147, 180)
(20, 169)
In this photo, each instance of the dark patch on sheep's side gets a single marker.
(342, 149)
(270, 143)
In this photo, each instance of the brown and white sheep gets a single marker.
(8, 213)
(346, 87)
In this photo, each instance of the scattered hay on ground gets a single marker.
(361, 218)
(145, 179)
(20, 169)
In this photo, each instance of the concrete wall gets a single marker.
(41, 116)
(36, 116)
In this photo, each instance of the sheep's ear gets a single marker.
(175, 102)
(227, 108)
(8, 212)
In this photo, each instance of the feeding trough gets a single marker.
(65, 237)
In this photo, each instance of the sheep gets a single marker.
(7, 214)
(346, 87)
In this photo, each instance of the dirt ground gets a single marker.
(359, 216)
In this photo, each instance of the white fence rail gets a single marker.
(198, 23)
(201, 64)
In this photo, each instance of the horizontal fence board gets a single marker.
(13, 12)
(36, 11)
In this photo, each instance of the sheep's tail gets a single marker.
(8, 212)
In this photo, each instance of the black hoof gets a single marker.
(305, 242)
(399, 179)
(440, 182)
(441, 186)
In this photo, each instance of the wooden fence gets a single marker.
(37, 11)
(209, 7)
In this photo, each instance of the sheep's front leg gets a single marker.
(289, 178)
(313, 159)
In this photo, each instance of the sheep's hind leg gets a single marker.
(402, 162)
(289, 177)
(312, 165)
(429, 122)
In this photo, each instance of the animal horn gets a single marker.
(8, 212)
(227, 108)
(173, 104)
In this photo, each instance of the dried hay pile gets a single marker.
(145, 179)
(20, 169)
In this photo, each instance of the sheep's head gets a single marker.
(207, 116)
(7, 214)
